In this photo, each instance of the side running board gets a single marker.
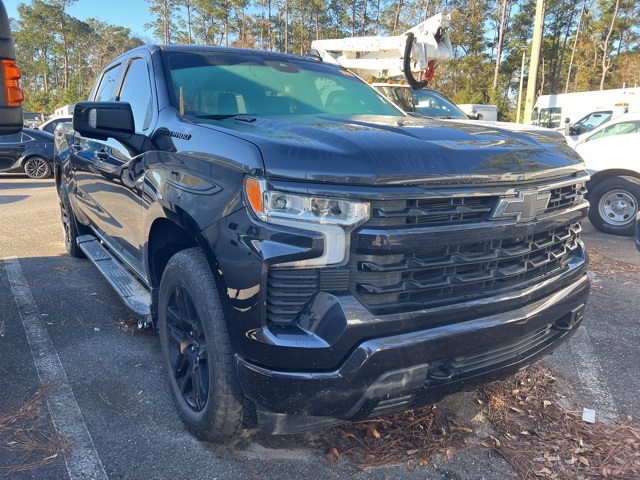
(133, 294)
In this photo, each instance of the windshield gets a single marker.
(591, 121)
(428, 103)
(222, 84)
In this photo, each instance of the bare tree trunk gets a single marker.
(396, 20)
(496, 72)
(573, 52)
(353, 18)
(286, 26)
(269, 33)
(556, 77)
(606, 63)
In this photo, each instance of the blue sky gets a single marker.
(132, 14)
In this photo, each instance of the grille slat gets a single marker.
(411, 282)
(460, 210)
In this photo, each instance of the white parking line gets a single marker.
(83, 462)
(591, 376)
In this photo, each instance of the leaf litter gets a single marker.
(534, 427)
(25, 433)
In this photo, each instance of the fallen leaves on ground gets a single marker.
(532, 430)
(608, 267)
(413, 437)
(542, 439)
(24, 432)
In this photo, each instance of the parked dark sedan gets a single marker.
(30, 151)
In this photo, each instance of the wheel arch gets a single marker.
(602, 175)
(167, 236)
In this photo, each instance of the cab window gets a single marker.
(136, 89)
(105, 90)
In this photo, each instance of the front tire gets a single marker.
(196, 351)
(37, 167)
(71, 228)
(614, 205)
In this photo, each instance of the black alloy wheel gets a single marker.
(196, 351)
(187, 348)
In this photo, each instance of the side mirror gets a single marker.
(11, 95)
(567, 126)
(473, 114)
(102, 120)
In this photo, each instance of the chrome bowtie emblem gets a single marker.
(525, 207)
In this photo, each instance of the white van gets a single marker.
(552, 111)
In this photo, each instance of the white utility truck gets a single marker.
(552, 111)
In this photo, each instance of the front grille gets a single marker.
(432, 211)
(565, 197)
(439, 275)
(444, 275)
(460, 209)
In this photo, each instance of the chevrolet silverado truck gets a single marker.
(308, 253)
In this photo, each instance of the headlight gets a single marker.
(328, 216)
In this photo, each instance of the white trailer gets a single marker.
(552, 111)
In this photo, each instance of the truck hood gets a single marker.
(373, 150)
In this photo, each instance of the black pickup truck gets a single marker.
(307, 252)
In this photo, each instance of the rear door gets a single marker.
(119, 174)
(83, 152)
(11, 149)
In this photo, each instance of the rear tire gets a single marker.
(196, 351)
(614, 205)
(71, 228)
(37, 167)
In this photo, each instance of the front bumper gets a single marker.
(393, 373)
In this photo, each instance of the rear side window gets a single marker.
(15, 138)
(136, 89)
(621, 128)
(105, 91)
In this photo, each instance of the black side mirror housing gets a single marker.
(102, 120)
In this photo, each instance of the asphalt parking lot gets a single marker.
(62, 327)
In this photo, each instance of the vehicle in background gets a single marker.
(64, 111)
(51, 124)
(611, 155)
(619, 125)
(29, 151)
(553, 111)
(32, 119)
(11, 95)
(424, 102)
(477, 111)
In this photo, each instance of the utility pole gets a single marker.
(524, 52)
(535, 60)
